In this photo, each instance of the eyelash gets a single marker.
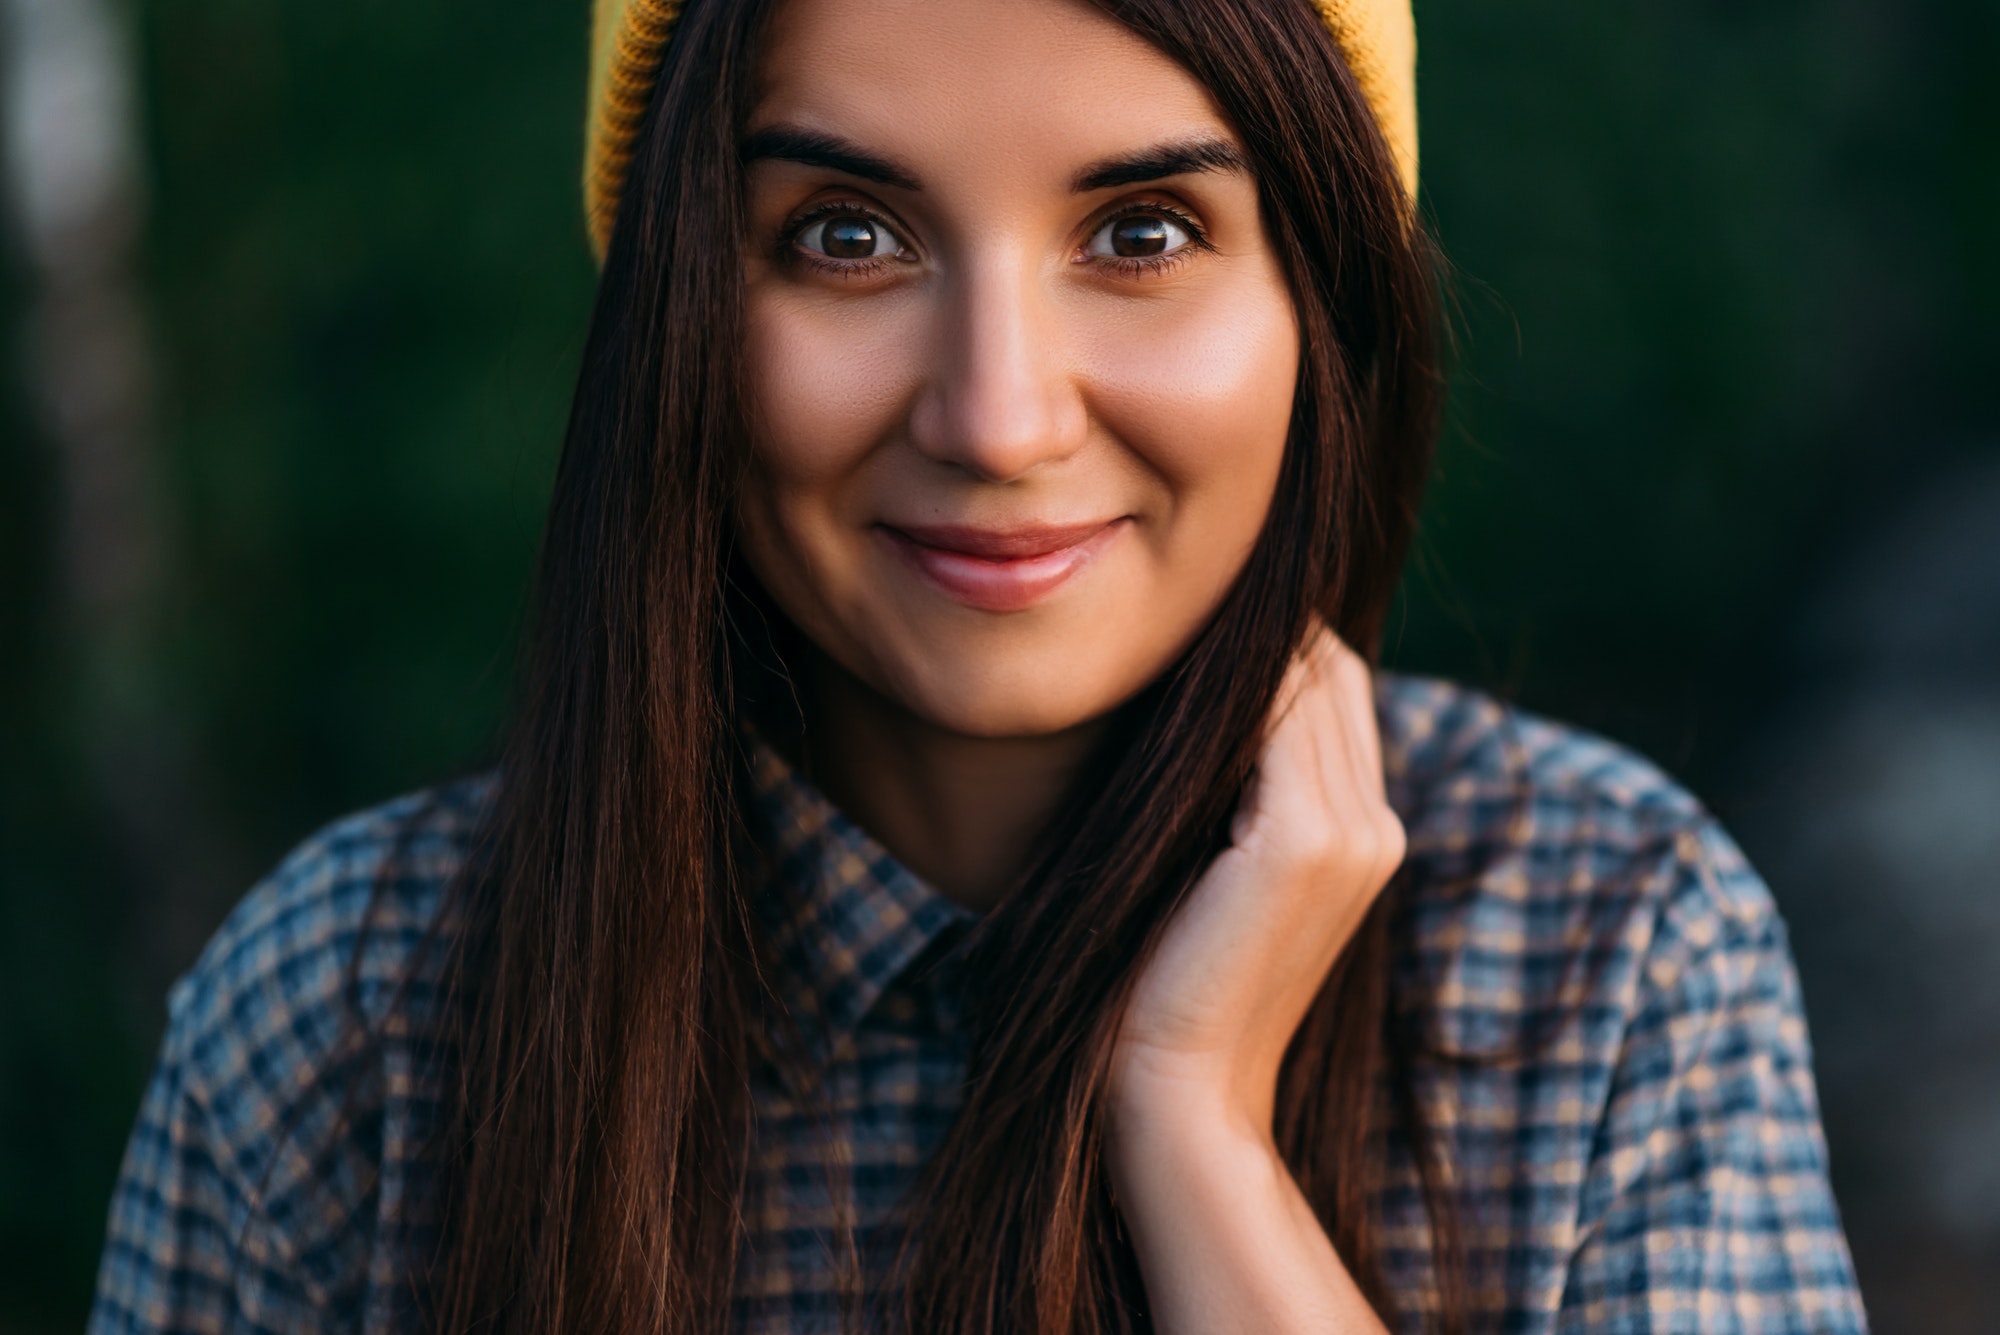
(1140, 266)
(790, 250)
(1129, 266)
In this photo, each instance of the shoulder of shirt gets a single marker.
(1551, 867)
(335, 926)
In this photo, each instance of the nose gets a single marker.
(1000, 399)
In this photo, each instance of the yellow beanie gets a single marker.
(1377, 37)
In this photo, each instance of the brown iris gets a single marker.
(1140, 236)
(848, 238)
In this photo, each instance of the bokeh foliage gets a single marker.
(1725, 275)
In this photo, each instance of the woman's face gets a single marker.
(1021, 356)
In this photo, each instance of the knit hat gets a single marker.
(1378, 38)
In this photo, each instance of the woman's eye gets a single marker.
(1138, 236)
(849, 236)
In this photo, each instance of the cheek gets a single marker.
(1202, 393)
(1190, 400)
(825, 386)
(820, 392)
(823, 389)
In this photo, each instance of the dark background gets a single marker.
(279, 405)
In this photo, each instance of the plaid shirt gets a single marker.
(1657, 1164)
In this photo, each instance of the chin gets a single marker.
(1001, 715)
(1005, 696)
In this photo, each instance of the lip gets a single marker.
(999, 570)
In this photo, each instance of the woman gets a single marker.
(951, 869)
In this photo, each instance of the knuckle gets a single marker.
(1390, 827)
(1394, 841)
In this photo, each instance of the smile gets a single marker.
(1000, 570)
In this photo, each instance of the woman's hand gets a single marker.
(1225, 1239)
(1311, 847)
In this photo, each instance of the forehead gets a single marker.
(976, 84)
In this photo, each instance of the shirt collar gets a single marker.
(846, 918)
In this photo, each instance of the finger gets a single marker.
(1331, 746)
(1345, 754)
(1302, 678)
(1298, 681)
(1354, 778)
(1365, 736)
(1303, 749)
(1296, 794)
(1356, 686)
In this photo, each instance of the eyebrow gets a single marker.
(814, 148)
(786, 143)
(1163, 160)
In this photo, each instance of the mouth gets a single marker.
(999, 570)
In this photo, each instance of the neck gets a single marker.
(963, 813)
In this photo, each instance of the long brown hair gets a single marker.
(606, 1002)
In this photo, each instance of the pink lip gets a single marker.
(999, 570)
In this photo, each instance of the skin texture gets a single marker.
(963, 344)
(1225, 1239)
(998, 376)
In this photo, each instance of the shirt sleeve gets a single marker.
(1706, 1204)
(168, 1248)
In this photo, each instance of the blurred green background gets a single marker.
(1727, 275)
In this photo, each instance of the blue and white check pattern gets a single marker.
(1616, 1060)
